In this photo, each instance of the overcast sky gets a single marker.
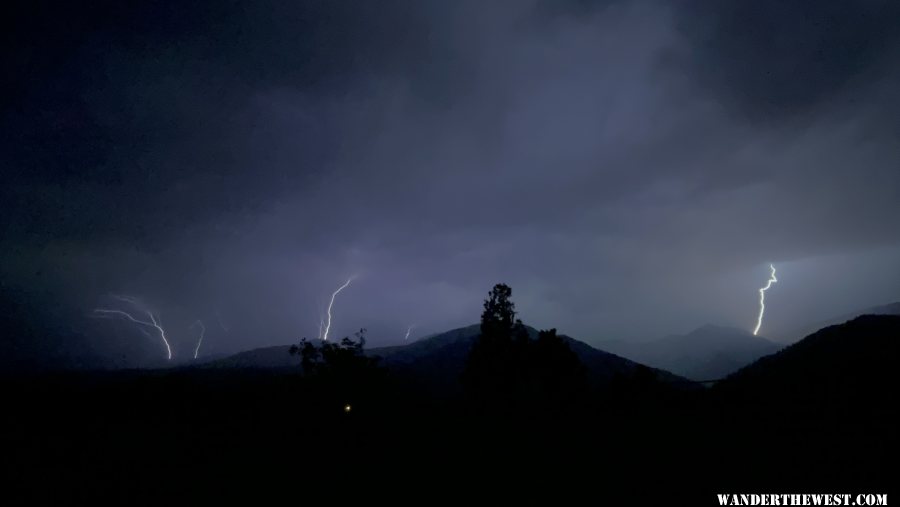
(630, 168)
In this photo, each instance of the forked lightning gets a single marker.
(155, 322)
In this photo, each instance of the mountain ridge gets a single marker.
(846, 363)
(439, 359)
(886, 309)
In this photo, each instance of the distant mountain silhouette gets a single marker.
(709, 352)
(853, 362)
(264, 358)
(439, 359)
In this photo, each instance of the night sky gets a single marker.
(630, 168)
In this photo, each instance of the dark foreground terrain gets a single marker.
(816, 417)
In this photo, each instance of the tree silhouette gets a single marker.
(558, 379)
(498, 318)
(345, 358)
(507, 371)
(339, 373)
(490, 375)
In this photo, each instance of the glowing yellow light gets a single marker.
(347, 408)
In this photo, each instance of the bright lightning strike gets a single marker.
(411, 326)
(762, 299)
(154, 322)
(157, 323)
(200, 340)
(330, 304)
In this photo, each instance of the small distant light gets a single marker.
(347, 408)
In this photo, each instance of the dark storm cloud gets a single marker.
(781, 58)
(139, 100)
(610, 160)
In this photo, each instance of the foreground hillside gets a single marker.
(853, 362)
(264, 435)
(887, 309)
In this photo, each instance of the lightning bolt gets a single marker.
(128, 299)
(330, 304)
(762, 299)
(202, 332)
(157, 323)
(154, 322)
(411, 326)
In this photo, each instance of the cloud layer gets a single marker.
(630, 168)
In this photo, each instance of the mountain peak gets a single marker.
(717, 328)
